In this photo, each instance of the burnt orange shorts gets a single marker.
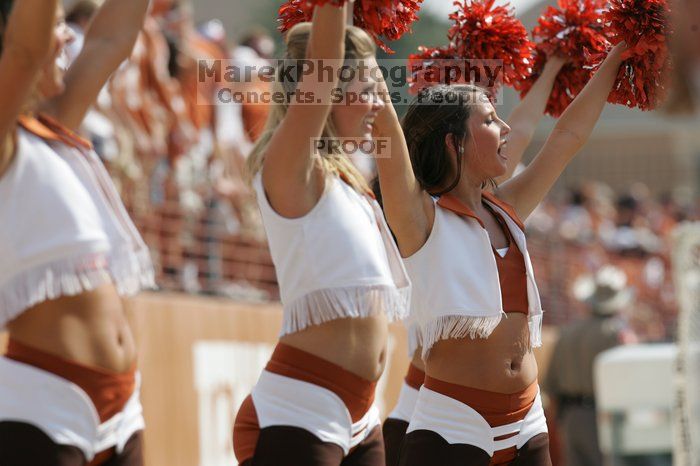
(272, 444)
(108, 391)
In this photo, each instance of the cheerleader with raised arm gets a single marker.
(69, 389)
(523, 123)
(341, 277)
(474, 298)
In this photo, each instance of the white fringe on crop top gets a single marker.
(64, 228)
(337, 261)
(456, 288)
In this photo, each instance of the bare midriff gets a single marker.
(90, 328)
(502, 363)
(357, 345)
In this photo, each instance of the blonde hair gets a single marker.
(358, 45)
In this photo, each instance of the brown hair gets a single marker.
(436, 112)
(358, 45)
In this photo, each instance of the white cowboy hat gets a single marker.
(606, 291)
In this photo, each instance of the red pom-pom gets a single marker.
(575, 26)
(484, 32)
(389, 19)
(644, 26)
(293, 12)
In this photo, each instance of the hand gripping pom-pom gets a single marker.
(483, 31)
(644, 26)
(382, 19)
(566, 31)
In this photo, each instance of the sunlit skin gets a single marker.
(90, 328)
(96, 323)
(358, 345)
(294, 182)
(50, 82)
(355, 118)
(484, 158)
(96, 320)
(504, 362)
(492, 151)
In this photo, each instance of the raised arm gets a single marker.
(26, 44)
(293, 182)
(409, 210)
(528, 113)
(108, 42)
(526, 190)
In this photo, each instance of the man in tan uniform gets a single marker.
(569, 380)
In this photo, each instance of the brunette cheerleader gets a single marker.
(523, 122)
(474, 294)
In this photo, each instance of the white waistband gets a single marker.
(406, 404)
(458, 423)
(284, 401)
(66, 413)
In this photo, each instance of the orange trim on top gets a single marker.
(50, 129)
(512, 273)
(507, 208)
(452, 203)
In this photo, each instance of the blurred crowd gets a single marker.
(583, 229)
(177, 159)
(178, 162)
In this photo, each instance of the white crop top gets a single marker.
(64, 228)
(456, 288)
(337, 261)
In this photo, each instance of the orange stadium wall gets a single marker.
(199, 358)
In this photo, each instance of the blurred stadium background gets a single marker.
(208, 330)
